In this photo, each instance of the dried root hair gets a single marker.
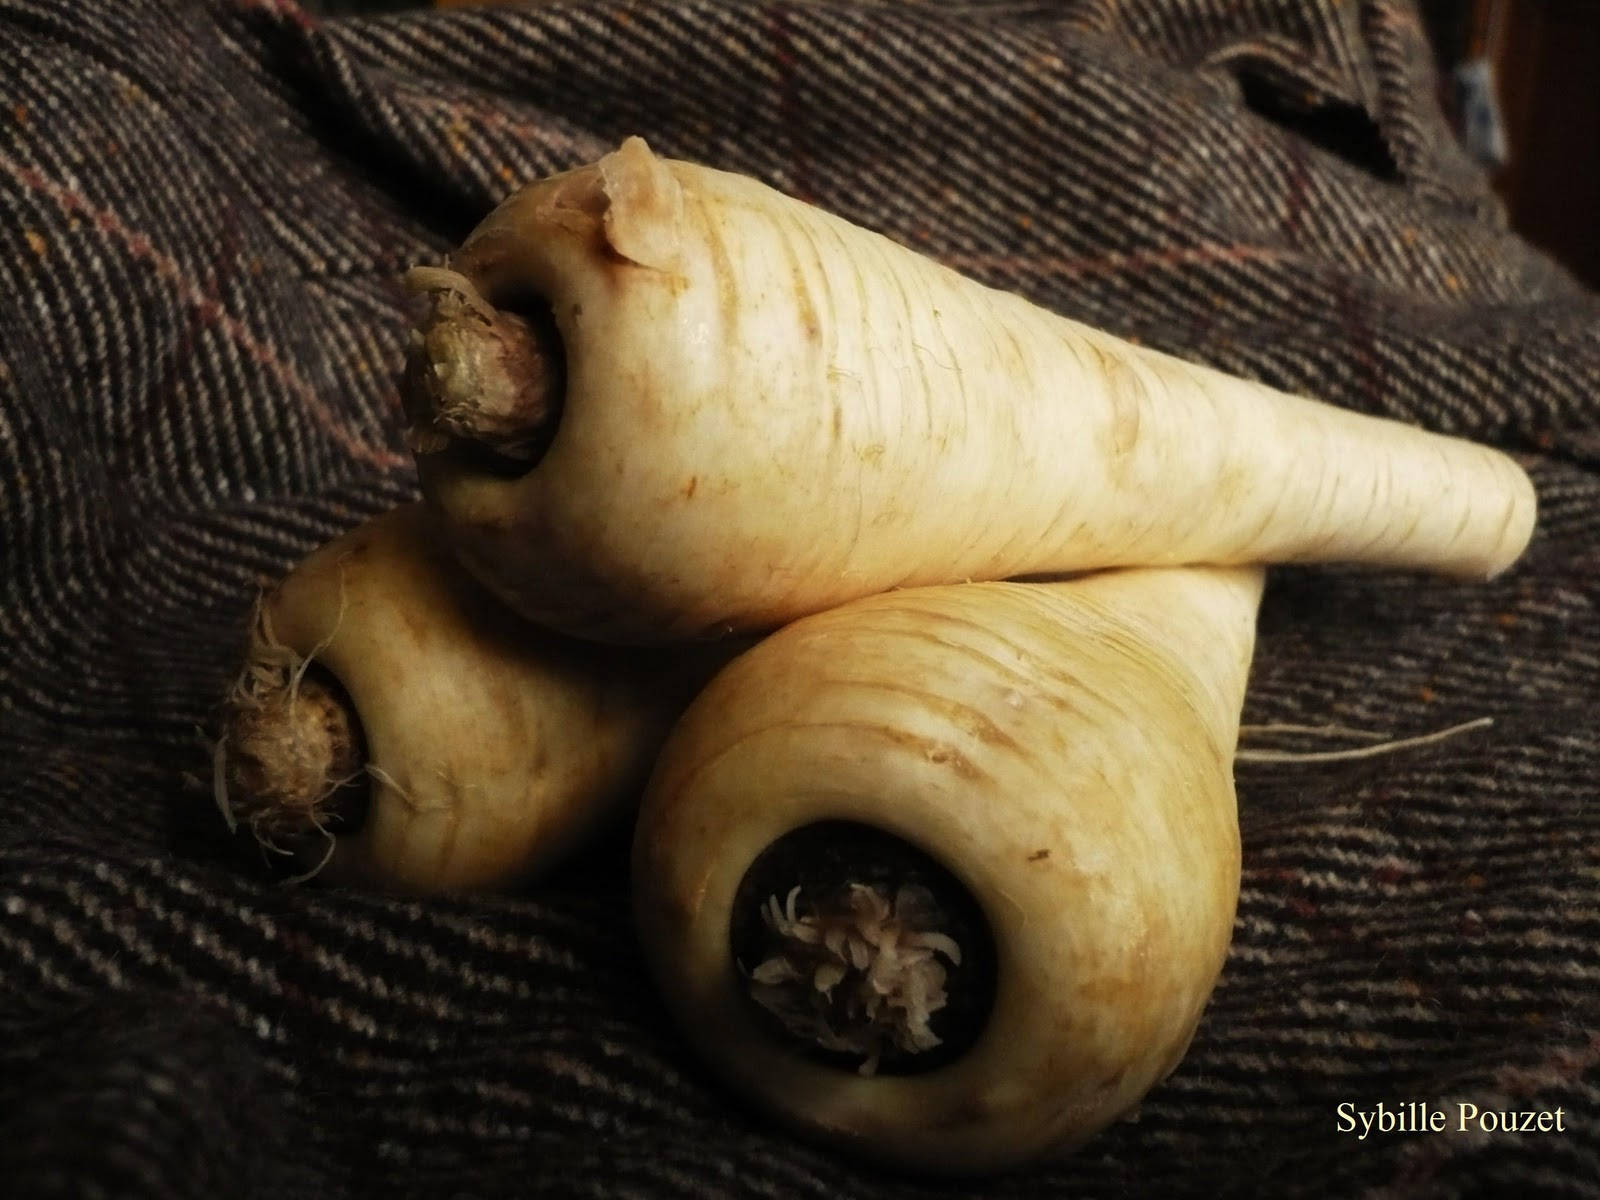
(1379, 743)
(288, 747)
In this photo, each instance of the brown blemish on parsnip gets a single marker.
(722, 271)
(964, 717)
(810, 321)
(937, 752)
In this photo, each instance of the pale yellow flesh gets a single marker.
(1065, 749)
(493, 747)
(770, 411)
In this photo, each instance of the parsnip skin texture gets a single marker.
(492, 747)
(769, 411)
(1065, 749)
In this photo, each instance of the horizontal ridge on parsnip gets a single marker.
(769, 411)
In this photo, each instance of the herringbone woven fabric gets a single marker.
(203, 209)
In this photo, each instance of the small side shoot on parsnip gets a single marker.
(762, 411)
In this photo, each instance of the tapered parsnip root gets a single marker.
(767, 411)
(945, 876)
(484, 749)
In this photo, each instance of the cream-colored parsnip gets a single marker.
(757, 410)
(1064, 750)
(481, 747)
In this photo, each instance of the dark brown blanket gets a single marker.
(203, 208)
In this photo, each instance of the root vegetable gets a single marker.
(394, 726)
(752, 410)
(946, 876)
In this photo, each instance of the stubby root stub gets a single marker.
(489, 377)
(860, 951)
(290, 752)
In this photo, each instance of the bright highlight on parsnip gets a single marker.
(944, 869)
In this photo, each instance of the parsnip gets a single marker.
(396, 721)
(946, 876)
(745, 409)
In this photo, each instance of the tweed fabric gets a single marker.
(203, 209)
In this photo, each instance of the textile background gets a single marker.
(204, 208)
